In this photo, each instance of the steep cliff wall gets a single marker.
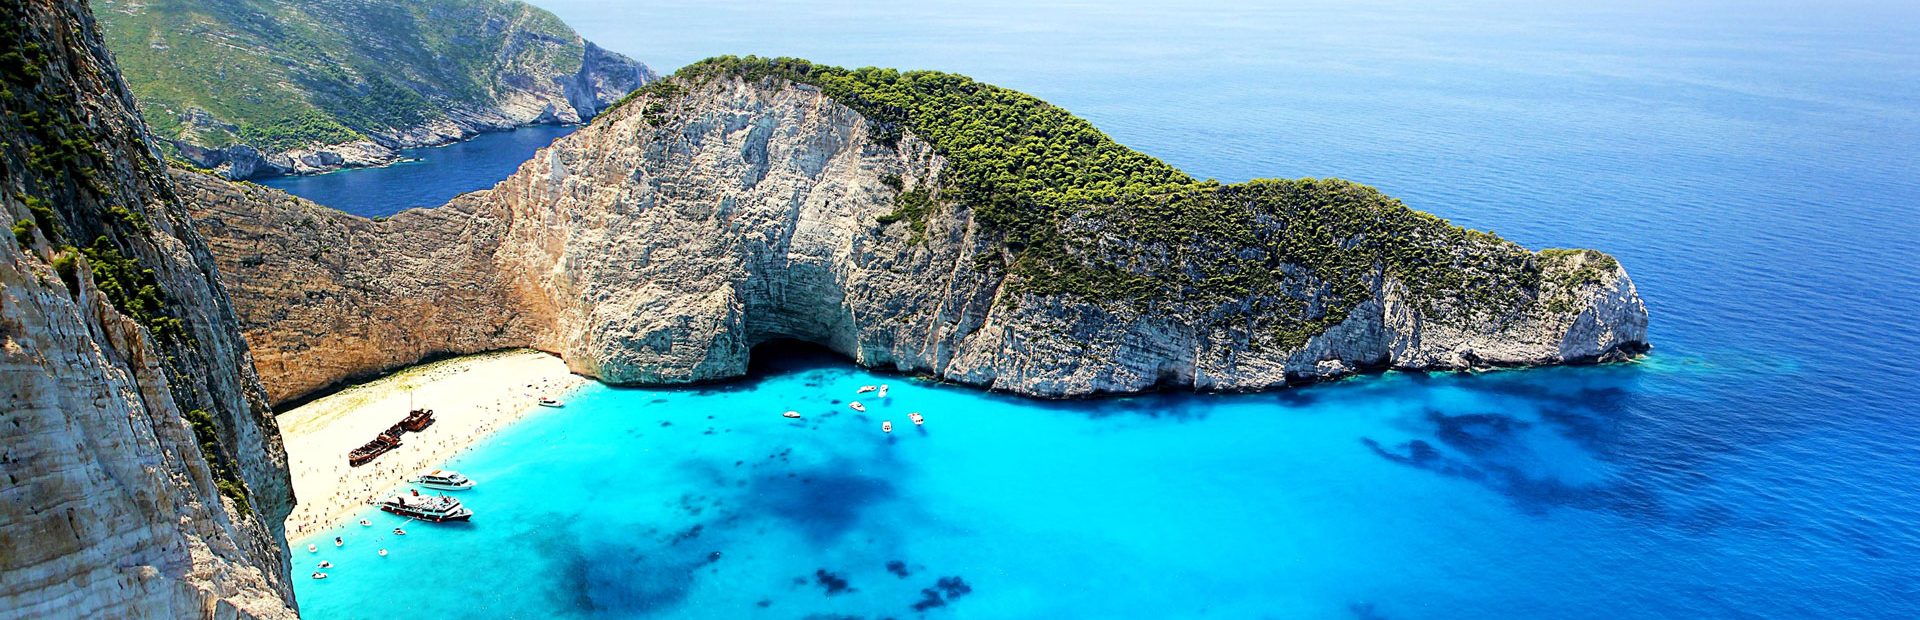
(144, 476)
(257, 88)
(325, 296)
(663, 242)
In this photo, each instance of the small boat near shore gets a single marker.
(857, 406)
(548, 401)
(917, 418)
(434, 508)
(444, 479)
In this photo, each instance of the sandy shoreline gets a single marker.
(471, 397)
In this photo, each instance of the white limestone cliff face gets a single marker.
(109, 506)
(660, 246)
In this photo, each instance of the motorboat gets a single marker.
(548, 401)
(883, 391)
(917, 418)
(790, 414)
(313, 548)
(866, 388)
(319, 575)
(857, 406)
(435, 508)
(887, 426)
(383, 553)
(444, 479)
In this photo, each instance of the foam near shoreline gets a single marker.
(471, 398)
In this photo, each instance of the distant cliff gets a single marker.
(257, 88)
(143, 473)
(1016, 248)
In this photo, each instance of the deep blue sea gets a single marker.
(427, 177)
(1753, 164)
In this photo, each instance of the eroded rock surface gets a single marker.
(664, 241)
(143, 475)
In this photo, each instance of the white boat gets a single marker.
(435, 508)
(857, 406)
(790, 414)
(319, 575)
(383, 553)
(886, 426)
(313, 548)
(444, 479)
(883, 391)
(917, 418)
(548, 401)
(866, 388)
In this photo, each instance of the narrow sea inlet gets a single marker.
(1401, 495)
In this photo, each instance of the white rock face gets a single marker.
(108, 506)
(661, 246)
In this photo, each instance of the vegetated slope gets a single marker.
(144, 475)
(921, 222)
(312, 86)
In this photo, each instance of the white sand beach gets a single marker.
(471, 397)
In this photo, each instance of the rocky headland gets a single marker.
(744, 201)
(254, 89)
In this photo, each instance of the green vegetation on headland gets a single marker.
(1085, 216)
(282, 75)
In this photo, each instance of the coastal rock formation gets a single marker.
(141, 473)
(254, 88)
(667, 239)
(325, 296)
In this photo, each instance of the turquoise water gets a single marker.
(429, 177)
(1751, 163)
(705, 503)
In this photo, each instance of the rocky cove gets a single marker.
(152, 316)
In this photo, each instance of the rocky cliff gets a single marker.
(722, 209)
(144, 476)
(256, 88)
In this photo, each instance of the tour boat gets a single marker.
(790, 414)
(883, 391)
(546, 401)
(435, 508)
(917, 418)
(444, 479)
(886, 426)
(866, 388)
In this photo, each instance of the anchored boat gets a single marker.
(444, 479)
(548, 401)
(435, 508)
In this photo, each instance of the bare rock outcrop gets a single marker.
(667, 239)
(143, 475)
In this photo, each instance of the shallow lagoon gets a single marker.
(1403, 495)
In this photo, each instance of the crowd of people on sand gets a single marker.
(367, 484)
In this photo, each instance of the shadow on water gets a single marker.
(1509, 451)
